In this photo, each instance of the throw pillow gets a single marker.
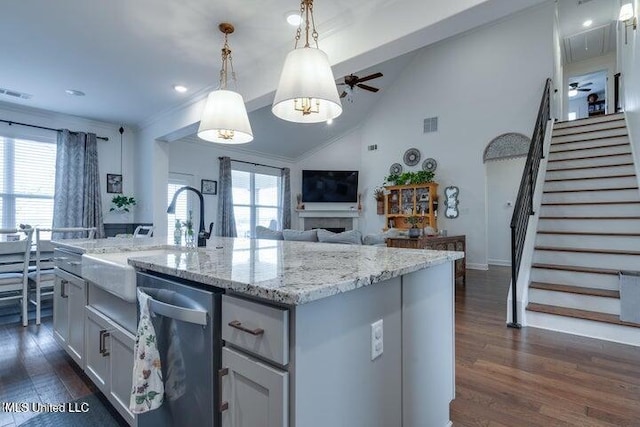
(350, 237)
(380, 238)
(300, 236)
(267, 233)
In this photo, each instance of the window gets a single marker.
(27, 182)
(182, 206)
(255, 201)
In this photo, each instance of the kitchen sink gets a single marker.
(111, 271)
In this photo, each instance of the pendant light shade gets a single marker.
(307, 82)
(224, 119)
(307, 91)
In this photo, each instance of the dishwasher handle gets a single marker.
(180, 307)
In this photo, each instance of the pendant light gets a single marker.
(224, 118)
(307, 91)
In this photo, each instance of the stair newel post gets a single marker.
(514, 278)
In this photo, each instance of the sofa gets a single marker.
(349, 237)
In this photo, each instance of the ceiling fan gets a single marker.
(581, 88)
(352, 81)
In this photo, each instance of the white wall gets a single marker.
(601, 63)
(109, 152)
(480, 84)
(501, 197)
(629, 60)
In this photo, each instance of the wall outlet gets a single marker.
(377, 341)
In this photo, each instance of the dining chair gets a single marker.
(144, 231)
(14, 267)
(42, 278)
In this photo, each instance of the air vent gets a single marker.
(372, 147)
(14, 93)
(431, 124)
(581, 2)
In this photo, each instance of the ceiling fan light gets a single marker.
(573, 92)
(626, 12)
(224, 119)
(307, 83)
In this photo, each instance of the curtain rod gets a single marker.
(252, 163)
(11, 122)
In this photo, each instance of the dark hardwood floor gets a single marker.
(504, 377)
(533, 377)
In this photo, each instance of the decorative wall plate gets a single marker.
(395, 169)
(429, 165)
(451, 203)
(411, 157)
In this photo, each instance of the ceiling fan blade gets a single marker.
(340, 84)
(343, 94)
(370, 77)
(584, 90)
(586, 84)
(573, 85)
(369, 88)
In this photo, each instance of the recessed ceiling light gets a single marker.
(294, 18)
(329, 121)
(587, 23)
(74, 92)
(180, 88)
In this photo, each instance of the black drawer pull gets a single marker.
(238, 325)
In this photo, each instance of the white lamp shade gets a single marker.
(626, 12)
(307, 74)
(225, 112)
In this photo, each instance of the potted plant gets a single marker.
(414, 231)
(378, 194)
(419, 177)
(189, 235)
(122, 203)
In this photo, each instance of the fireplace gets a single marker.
(333, 229)
(328, 219)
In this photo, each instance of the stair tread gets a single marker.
(569, 150)
(579, 314)
(591, 177)
(616, 202)
(598, 156)
(590, 167)
(586, 121)
(576, 268)
(588, 233)
(591, 217)
(587, 139)
(587, 251)
(590, 189)
(556, 287)
(588, 131)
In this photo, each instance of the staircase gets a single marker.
(588, 230)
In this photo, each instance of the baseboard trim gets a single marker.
(500, 262)
(476, 266)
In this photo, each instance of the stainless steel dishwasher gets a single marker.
(186, 319)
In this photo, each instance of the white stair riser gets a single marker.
(596, 151)
(589, 136)
(575, 259)
(590, 225)
(587, 127)
(592, 196)
(587, 280)
(617, 182)
(599, 119)
(598, 161)
(587, 328)
(589, 143)
(628, 243)
(586, 173)
(578, 301)
(591, 210)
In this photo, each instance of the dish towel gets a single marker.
(147, 392)
(176, 375)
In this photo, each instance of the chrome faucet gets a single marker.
(202, 234)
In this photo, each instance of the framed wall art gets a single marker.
(208, 186)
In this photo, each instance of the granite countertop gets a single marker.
(287, 272)
(292, 273)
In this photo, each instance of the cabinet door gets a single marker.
(121, 344)
(60, 311)
(77, 301)
(256, 394)
(97, 353)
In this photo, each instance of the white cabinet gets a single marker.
(253, 393)
(109, 360)
(70, 297)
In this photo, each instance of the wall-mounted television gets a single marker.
(329, 186)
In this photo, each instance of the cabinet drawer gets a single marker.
(68, 261)
(258, 328)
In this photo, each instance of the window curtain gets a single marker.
(226, 224)
(285, 198)
(77, 200)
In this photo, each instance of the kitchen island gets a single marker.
(319, 334)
